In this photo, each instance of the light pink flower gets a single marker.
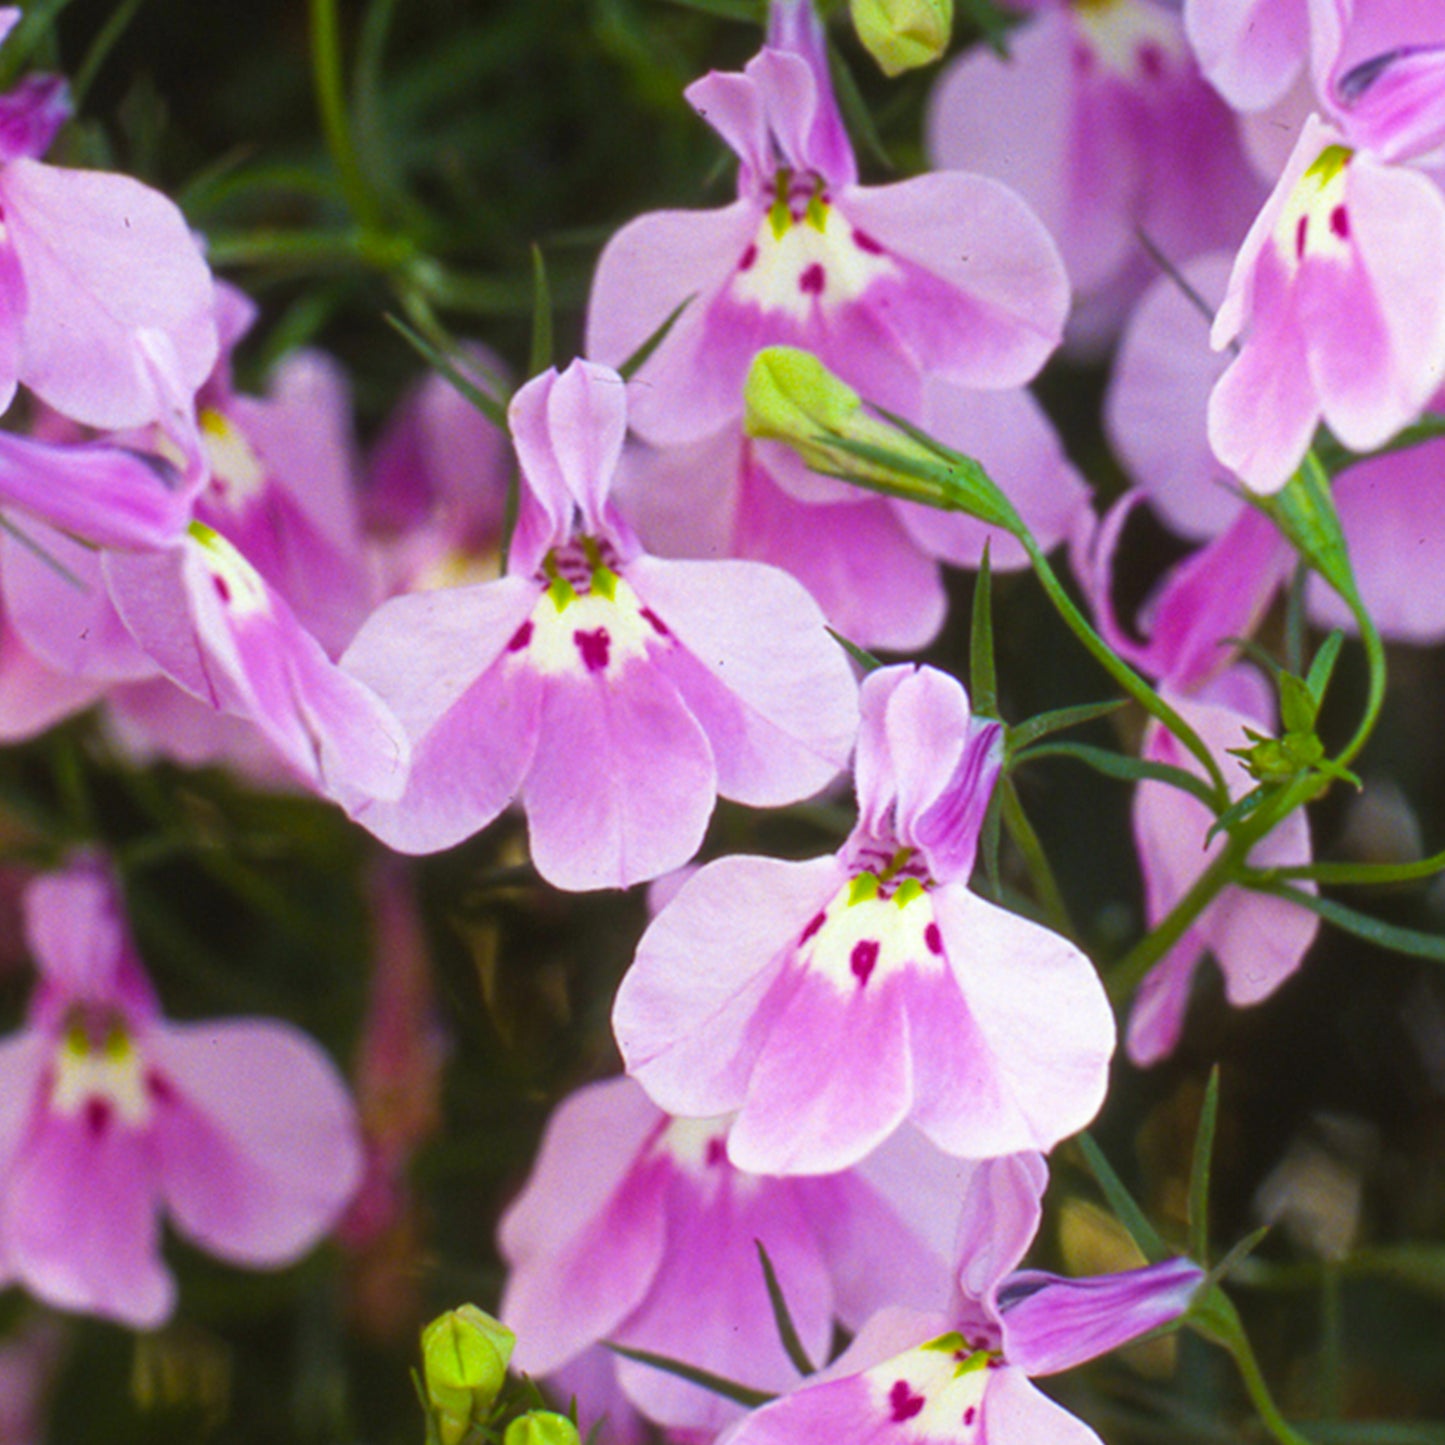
(617, 694)
(948, 275)
(631, 1218)
(1251, 50)
(827, 1001)
(96, 270)
(1337, 305)
(1100, 118)
(1391, 507)
(240, 1132)
(963, 1377)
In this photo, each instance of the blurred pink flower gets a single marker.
(241, 1131)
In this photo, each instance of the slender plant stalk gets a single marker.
(331, 103)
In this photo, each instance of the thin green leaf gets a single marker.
(1298, 706)
(1237, 812)
(1408, 941)
(1322, 669)
(1059, 720)
(857, 116)
(115, 26)
(542, 352)
(750, 12)
(1121, 766)
(1126, 1211)
(1367, 875)
(1199, 1171)
(1376, 1432)
(787, 1330)
(860, 655)
(488, 405)
(1177, 278)
(994, 23)
(1295, 620)
(1235, 1257)
(982, 673)
(703, 1379)
(1046, 886)
(638, 359)
(33, 27)
(988, 844)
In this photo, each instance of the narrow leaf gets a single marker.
(1059, 720)
(856, 115)
(1408, 941)
(988, 843)
(1126, 1211)
(1235, 1257)
(703, 1379)
(748, 11)
(1237, 812)
(1370, 875)
(1046, 886)
(488, 405)
(117, 23)
(860, 655)
(1121, 766)
(787, 1330)
(982, 674)
(1200, 1171)
(541, 356)
(638, 359)
(1323, 666)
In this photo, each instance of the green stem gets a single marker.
(1375, 657)
(1269, 1413)
(1227, 868)
(1119, 670)
(331, 103)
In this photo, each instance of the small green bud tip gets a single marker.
(464, 1362)
(541, 1427)
(791, 396)
(903, 34)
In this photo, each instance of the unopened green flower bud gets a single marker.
(541, 1427)
(464, 1361)
(790, 396)
(903, 34)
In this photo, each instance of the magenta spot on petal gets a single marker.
(1301, 235)
(222, 590)
(813, 280)
(748, 257)
(970, 1415)
(716, 1152)
(864, 242)
(933, 938)
(594, 647)
(1083, 59)
(863, 959)
(1151, 61)
(159, 1088)
(818, 921)
(97, 1116)
(1340, 222)
(903, 1402)
(521, 637)
(995, 1363)
(655, 622)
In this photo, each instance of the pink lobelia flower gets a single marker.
(1337, 305)
(1391, 506)
(618, 694)
(1250, 50)
(963, 1377)
(631, 1217)
(241, 1132)
(1101, 119)
(95, 268)
(948, 275)
(827, 1001)
(1195, 618)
